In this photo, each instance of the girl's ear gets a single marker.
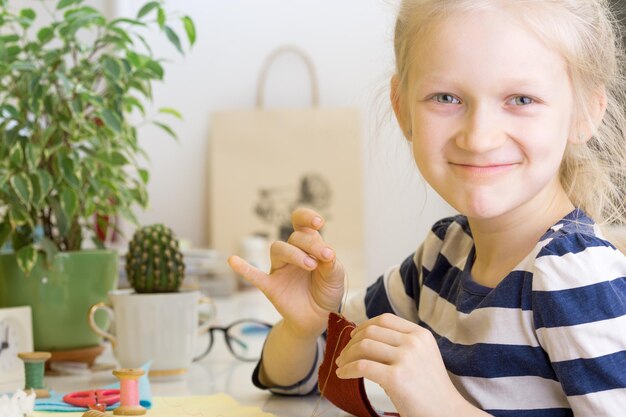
(398, 108)
(587, 128)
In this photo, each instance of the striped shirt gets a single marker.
(549, 340)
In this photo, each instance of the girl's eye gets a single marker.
(446, 99)
(523, 100)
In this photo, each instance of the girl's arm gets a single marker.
(305, 283)
(287, 357)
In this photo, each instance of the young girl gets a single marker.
(516, 307)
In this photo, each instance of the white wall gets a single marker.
(350, 42)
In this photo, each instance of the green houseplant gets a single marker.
(69, 91)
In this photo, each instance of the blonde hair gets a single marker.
(587, 35)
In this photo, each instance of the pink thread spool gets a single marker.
(129, 392)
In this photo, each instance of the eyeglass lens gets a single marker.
(245, 339)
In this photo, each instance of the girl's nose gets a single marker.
(480, 132)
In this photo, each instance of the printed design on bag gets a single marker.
(275, 203)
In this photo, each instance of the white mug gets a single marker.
(162, 328)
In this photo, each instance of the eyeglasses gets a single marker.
(244, 339)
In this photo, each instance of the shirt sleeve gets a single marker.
(579, 313)
(308, 384)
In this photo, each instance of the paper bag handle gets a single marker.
(260, 90)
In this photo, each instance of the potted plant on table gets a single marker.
(69, 153)
(156, 322)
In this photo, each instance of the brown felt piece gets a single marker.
(347, 394)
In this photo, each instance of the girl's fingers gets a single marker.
(367, 349)
(332, 271)
(283, 253)
(309, 257)
(312, 243)
(253, 275)
(305, 218)
(388, 321)
(374, 371)
(378, 334)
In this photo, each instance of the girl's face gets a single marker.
(490, 112)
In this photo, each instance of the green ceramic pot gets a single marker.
(60, 296)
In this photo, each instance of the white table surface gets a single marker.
(220, 372)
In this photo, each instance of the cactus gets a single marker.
(154, 262)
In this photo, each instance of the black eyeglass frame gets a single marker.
(228, 338)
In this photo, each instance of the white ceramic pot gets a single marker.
(162, 328)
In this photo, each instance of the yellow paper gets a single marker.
(219, 405)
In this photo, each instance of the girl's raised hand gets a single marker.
(404, 359)
(306, 281)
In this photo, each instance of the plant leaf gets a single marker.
(34, 179)
(32, 155)
(112, 66)
(45, 35)
(190, 28)
(23, 66)
(156, 68)
(26, 258)
(23, 188)
(97, 243)
(18, 216)
(67, 166)
(147, 8)
(144, 175)
(173, 112)
(27, 16)
(69, 202)
(173, 38)
(62, 222)
(49, 248)
(16, 155)
(112, 120)
(130, 102)
(9, 38)
(161, 17)
(117, 158)
(45, 182)
(5, 231)
(65, 3)
(167, 129)
(28, 13)
(134, 22)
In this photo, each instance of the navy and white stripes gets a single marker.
(549, 340)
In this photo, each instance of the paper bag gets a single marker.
(266, 162)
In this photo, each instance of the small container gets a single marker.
(255, 250)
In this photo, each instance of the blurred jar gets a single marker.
(255, 249)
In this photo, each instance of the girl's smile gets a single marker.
(477, 171)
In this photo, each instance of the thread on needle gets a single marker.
(325, 383)
(340, 313)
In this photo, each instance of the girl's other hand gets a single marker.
(306, 281)
(392, 352)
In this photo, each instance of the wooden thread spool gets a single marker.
(129, 392)
(94, 413)
(34, 369)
